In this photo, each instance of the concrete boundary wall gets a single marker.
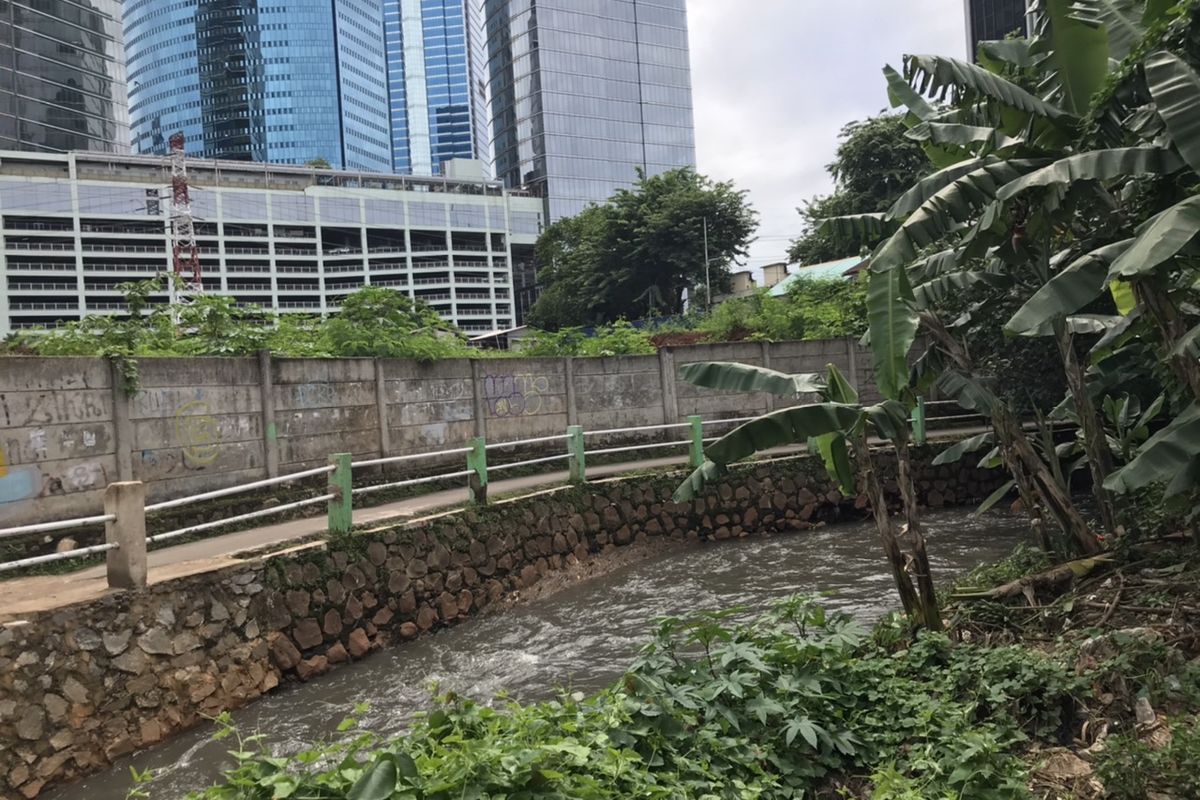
(68, 427)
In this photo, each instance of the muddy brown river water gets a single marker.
(582, 637)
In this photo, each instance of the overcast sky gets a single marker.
(775, 80)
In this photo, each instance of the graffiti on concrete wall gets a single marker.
(17, 483)
(315, 395)
(515, 395)
(197, 433)
(24, 409)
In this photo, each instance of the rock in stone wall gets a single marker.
(85, 685)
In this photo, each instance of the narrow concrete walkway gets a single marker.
(27, 595)
(40, 592)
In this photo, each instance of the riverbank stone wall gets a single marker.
(84, 685)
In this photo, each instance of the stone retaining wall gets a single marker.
(84, 685)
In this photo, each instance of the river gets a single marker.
(582, 637)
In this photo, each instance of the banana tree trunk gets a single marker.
(930, 614)
(1018, 454)
(1095, 445)
(1171, 327)
(1054, 496)
(886, 528)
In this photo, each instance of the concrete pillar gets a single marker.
(122, 425)
(477, 481)
(666, 367)
(766, 362)
(341, 486)
(569, 377)
(126, 501)
(577, 461)
(266, 391)
(381, 408)
(696, 450)
(478, 407)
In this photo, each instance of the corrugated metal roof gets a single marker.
(830, 269)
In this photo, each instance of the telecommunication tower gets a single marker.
(183, 227)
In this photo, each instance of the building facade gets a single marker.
(437, 83)
(290, 239)
(62, 76)
(285, 83)
(586, 92)
(989, 20)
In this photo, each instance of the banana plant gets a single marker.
(841, 429)
(1029, 184)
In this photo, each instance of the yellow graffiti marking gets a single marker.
(3, 465)
(196, 429)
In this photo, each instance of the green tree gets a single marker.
(375, 321)
(318, 163)
(875, 163)
(639, 251)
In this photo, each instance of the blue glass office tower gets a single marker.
(436, 83)
(585, 92)
(286, 82)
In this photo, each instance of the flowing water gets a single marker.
(582, 637)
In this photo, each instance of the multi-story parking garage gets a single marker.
(290, 239)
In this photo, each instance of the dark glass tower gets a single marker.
(62, 76)
(436, 83)
(584, 93)
(988, 20)
(286, 83)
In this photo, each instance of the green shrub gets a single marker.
(777, 708)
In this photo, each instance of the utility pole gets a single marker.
(707, 278)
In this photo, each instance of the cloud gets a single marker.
(774, 81)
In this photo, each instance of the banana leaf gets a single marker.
(734, 377)
(854, 228)
(1120, 19)
(930, 185)
(944, 287)
(1159, 240)
(892, 324)
(996, 496)
(901, 94)
(786, 426)
(939, 76)
(1175, 87)
(1013, 52)
(955, 452)
(1095, 165)
(836, 456)
(694, 484)
(1163, 456)
(1078, 284)
(1076, 53)
(838, 389)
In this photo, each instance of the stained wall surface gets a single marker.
(71, 426)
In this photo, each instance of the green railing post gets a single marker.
(341, 485)
(696, 452)
(918, 421)
(576, 461)
(477, 464)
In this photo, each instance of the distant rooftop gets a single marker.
(842, 268)
(225, 173)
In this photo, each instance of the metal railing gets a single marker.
(125, 508)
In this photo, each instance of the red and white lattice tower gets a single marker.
(183, 226)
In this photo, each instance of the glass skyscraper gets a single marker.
(286, 83)
(436, 83)
(586, 92)
(989, 20)
(62, 76)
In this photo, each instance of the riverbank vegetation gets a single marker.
(1083, 694)
(385, 323)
